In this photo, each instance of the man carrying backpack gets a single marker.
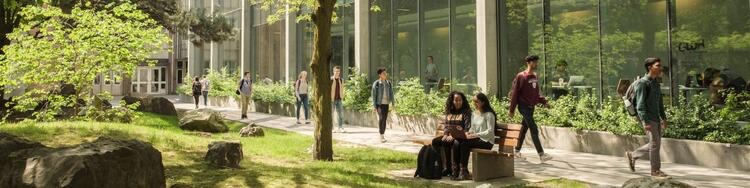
(649, 106)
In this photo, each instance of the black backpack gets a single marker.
(429, 164)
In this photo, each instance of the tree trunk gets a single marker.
(321, 82)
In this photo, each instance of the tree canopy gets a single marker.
(52, 49)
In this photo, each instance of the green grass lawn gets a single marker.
(280, 159)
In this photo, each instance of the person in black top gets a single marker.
(457, 119)
(197, 91)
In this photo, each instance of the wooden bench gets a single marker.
(489, 164)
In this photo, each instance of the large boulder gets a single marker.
(104, 162)
(251, 130)
(205, 120)
(224, 154)
(157, 105)
(160, 105)
(651, 182)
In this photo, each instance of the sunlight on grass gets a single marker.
(279, 159)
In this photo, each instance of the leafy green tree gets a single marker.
(203, 27)
(52, 50)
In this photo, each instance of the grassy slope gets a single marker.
(277, 160)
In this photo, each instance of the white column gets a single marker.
(362, 35)
(487, 42)
(290, 52)
(214, 65)
(193, 61)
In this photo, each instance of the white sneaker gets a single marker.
(544, 157)
(335, 131)
(341, 130)
(382, 139)
(517, 155)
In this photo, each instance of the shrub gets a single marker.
(413, 101)
(358, 97)
(274, 93)
(223, 83)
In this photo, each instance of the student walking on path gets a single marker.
(650, 108)
(300, 91)
(206, 87)
(525, 95)
(481, 133)
(382, 97)
(457, 119)
(337, 96)
(245, 90)
(197, 91)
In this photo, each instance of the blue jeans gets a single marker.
(339, 107)
(303, 103)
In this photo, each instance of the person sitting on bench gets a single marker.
(481, 134)
(457, 119)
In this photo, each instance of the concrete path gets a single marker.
(602, 170)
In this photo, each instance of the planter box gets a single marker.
(419, 125)
(693, 152)
(282, 109)
(223, 101)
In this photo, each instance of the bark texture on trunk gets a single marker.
(321, 84)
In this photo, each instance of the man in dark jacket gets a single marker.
(525, 95)
(650, 107)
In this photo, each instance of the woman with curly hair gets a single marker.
(457, 118)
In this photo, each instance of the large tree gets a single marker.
(201, 26)
(53, 50)
(321, 14)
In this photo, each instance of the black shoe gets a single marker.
(464, 174)
(243, 117)
(454, 173)
(446, 172)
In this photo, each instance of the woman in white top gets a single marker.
(300, 91)
(481, 134)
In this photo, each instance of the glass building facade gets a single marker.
(591, 44)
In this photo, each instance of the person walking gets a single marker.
(246, 90)
(337, 96)
(525, 95)
(197, 91)
(300, 91)
(457, 119)
(206, 87)
(481, 133)
(382, 97)
(650, 108)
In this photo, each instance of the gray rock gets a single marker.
(205, 120)
(651, 182)
(157, 105)
(104, 162)
(224, 154)
(251, 130)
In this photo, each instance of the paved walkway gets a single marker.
(603, 170)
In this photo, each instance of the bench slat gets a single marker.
(507, 134)
(510, 126)
(506, 141)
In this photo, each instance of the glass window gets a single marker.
(520, 32)
(711, 34)
(629, 36)
(407, 40)
(573, 40)
(380, 38)
(464, 46)
(268, 47)
(435, 38)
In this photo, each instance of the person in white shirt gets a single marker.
(300, 91)
(206, 87)
(481, 134)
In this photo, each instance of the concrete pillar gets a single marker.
(487, 42)
(362, 35)
(290, 52)
(214, 65)
(193, 63)
(245, 34)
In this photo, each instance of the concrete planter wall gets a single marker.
(708, 154)
(282, 109)
(419, 125)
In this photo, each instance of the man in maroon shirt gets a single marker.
(525, 95)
